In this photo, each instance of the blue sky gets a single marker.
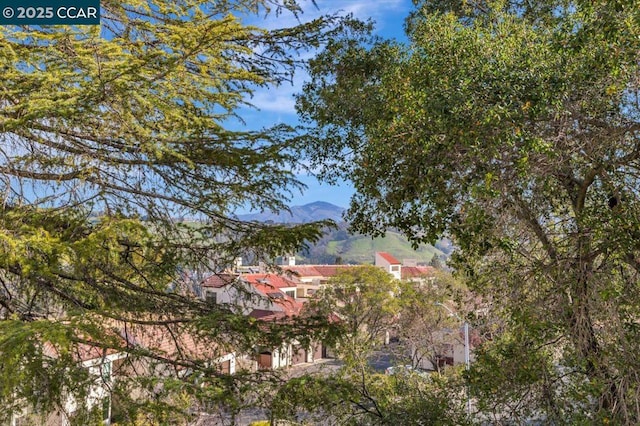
(277, 105)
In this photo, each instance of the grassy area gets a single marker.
(361, 249)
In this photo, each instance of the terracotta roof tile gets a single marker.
(171, 341)
(389, 258)
(265, 315)
(277, 281)
(219, 280)
(80, 352)
(288, 304)
(417, 271)
(320, 271)
(332, 270)
(303, 270)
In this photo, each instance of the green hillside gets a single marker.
(361, 249)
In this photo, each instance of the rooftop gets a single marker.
(389, 258)
(219, 280)
(417, 271)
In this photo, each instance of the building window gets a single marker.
(291, 293)
(211, 297)
(105, 371)
(395, 268)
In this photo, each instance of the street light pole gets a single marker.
(467, 359)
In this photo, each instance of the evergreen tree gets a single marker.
(108, 134)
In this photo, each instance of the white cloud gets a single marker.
(277, 104)
(388, 14)
(368, 9)
(275, 100)
(279, 99)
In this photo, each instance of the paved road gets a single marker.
(323, 366)
(381, 360)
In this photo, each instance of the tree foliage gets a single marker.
(109, 133)
(366, 304)
(363, 301)
(427, 328)
(367, 398)
(512, 127)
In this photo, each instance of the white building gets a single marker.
(389, 263)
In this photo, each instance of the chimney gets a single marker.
(237, 264)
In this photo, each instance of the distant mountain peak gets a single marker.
(317, 210)
(321, 204)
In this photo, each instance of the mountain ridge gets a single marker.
(311, 212)
(339, 245)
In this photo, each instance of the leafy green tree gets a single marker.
(437, 262)
(368, 398)
(513, 127)
(363, 300)
(425, 330)
(367, 303)
(108, 133)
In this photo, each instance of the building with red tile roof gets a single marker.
(309, 278)
(247, 292)
(388, 258)
(177, 345)
(268, 297)
(417, 272)
(98, 361)
(219, 280)
(389, 263)
(281, 282)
